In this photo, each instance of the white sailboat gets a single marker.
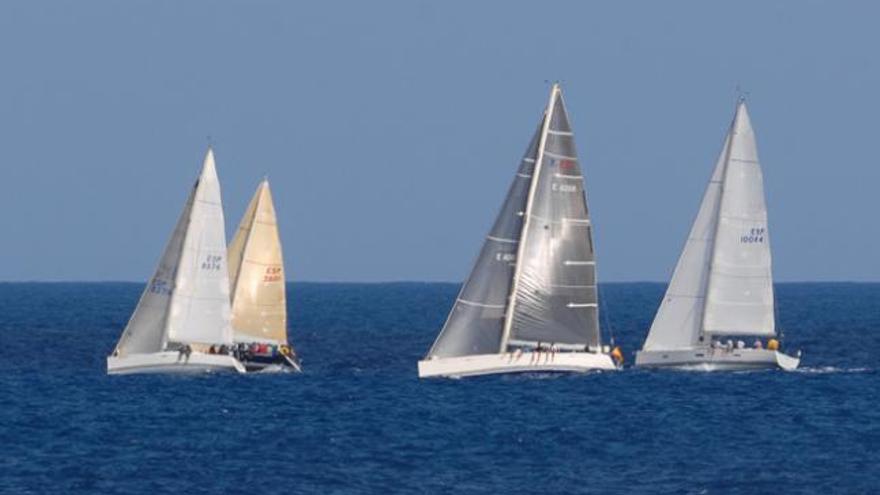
(184, 310)
(530, 301)
(259, 304)
(722, 287)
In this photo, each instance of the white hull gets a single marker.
(515, 362)
(172, 362)
(706, 359)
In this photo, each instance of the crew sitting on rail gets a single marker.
(772, 345)
(758, 344)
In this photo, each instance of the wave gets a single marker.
(823, 370)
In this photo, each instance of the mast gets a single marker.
(508, 318)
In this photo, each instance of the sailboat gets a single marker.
(530, 301)
(184, 311)
(256, 273)
(722, 286)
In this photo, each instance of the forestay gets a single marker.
(475, 324)
(555, 295)
(256, 270)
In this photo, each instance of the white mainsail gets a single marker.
(534, 279)
(722, 283)
(256, 271)
(187, 299)
(739, 300)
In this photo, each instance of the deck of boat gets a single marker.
(515, 362)
(172, 362)
(709, 359)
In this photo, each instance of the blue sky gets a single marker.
(390, 130)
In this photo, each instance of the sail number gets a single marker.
(506, 257)
(755, 235)
(161, 287)
(273, 274)
(212, 262)
(557, 187)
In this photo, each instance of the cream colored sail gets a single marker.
(256, 273)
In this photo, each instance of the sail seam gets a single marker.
(581, 221)
(481, 305)
(501, 239)
(559, 157)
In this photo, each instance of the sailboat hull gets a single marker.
(272, 364)
(703, 359)
(172, 362)
(513, 362)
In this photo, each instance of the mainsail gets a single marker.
(534, 279)
(740, 293)
(722, 283)
(256, 271)
(555, 298)
(187, 299)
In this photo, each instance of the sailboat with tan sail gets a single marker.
(258, 295)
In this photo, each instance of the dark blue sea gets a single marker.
(358, 420)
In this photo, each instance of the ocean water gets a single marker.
(359, 420)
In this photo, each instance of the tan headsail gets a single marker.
(256, 274)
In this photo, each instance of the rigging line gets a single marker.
(776, 310)
(603, 308)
